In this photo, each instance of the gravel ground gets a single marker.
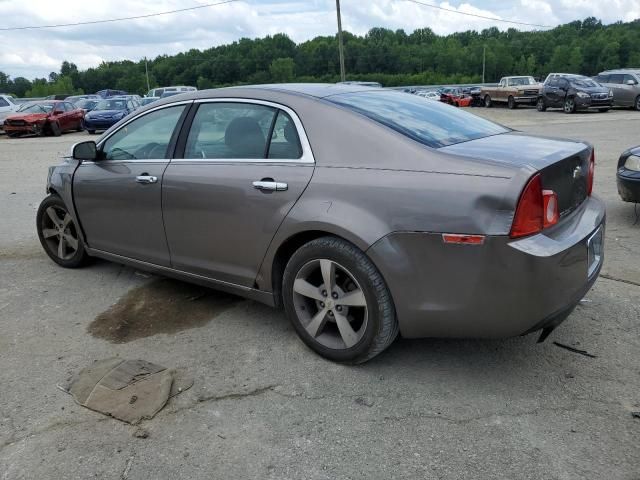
(264, 406)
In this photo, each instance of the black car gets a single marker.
(628, 176)
(574, 92)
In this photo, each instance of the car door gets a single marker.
(118, 197)
(500, 91)
(73, 119)
(627, 90)
(225, 199)
(615, 84)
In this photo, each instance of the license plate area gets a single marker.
(595, 245)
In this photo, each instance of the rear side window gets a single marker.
(285, 142)
(615, 78)
(230, 130)
(431, 123)
(3, 102)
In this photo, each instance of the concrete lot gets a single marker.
(264, 406)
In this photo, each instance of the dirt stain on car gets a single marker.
(160, 306)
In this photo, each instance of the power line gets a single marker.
(430, 5)
(111, 20)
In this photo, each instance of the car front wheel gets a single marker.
(541, 106)
(59, 234)
(511, 103)
(338, 302)
(569, 105)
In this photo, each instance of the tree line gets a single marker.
(390, 57)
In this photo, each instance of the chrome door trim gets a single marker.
(307, 155)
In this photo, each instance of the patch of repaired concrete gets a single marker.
(160, 306)
(129, 390)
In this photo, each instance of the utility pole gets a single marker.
(340, 44)
(484, 59)
(146, 69)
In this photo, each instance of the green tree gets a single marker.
(282, 70)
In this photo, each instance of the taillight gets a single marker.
(537, 209)
(592, 171)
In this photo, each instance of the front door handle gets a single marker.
(270, 186)
(146, 179)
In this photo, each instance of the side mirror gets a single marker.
(85, 151)
(631, 82)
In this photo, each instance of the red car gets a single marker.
(48, 117)
(455, 96)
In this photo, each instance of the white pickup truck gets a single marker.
(512, 91)
(7, 107)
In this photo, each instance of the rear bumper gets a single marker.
(502, 288)
(628, 182)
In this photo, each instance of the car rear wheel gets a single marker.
(80, 126)
(603, 110)
(58, 233)
(637, 103)
(13, 135)
(54, 128)
(511, 103)
(92, 132)
(487, 101)
(540, 105)
(569, 105)
(338, 302)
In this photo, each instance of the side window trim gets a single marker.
(307, 155)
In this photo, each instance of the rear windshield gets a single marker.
(431, 123)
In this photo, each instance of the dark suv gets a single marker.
(574, 92)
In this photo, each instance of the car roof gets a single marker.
(621, 70)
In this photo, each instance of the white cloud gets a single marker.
(33, 53)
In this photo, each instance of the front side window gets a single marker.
(431, 123)
(229, 130)
(146, 137)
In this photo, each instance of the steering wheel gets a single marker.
(150, 150)
(120, 154)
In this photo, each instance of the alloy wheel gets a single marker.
(569, 105)
(59, 232)
(330, 304)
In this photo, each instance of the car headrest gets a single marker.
(290, 134)
(245, 138)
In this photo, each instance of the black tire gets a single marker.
(636, 105)
(511, 103)
(54, 128)
(540, 105)
(91, 132)
(13, 135)
(71, 258)
(381, 327)
(603, 110)
(80, 126)
(487, 101)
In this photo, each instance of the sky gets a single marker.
(35, 53)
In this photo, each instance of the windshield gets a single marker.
(514, 82)
(431, 123)
(36, 108)
(584, 82)
(111, 105)
(86, 104)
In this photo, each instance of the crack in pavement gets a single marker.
(621, 280)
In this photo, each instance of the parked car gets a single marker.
(454, 96)
(628, 175)
(157, 92)
(106, 113)
(135, 99)
(170, 94)
(513, 91)
(86, 104)
(148, 100)
(574, 92)
(47, 117)
(557, 75)
(625, 85)
(429, 94)
(406, 216)
(58, 96)
(110, 93)
(7, 107)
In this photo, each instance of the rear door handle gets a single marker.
(146, 179)
(270, 186)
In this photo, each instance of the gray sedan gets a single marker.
(363, 212)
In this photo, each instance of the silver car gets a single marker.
(364, 212)
(625, 84)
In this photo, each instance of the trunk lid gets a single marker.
(563, 164)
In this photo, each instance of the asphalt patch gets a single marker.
(160, 306)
